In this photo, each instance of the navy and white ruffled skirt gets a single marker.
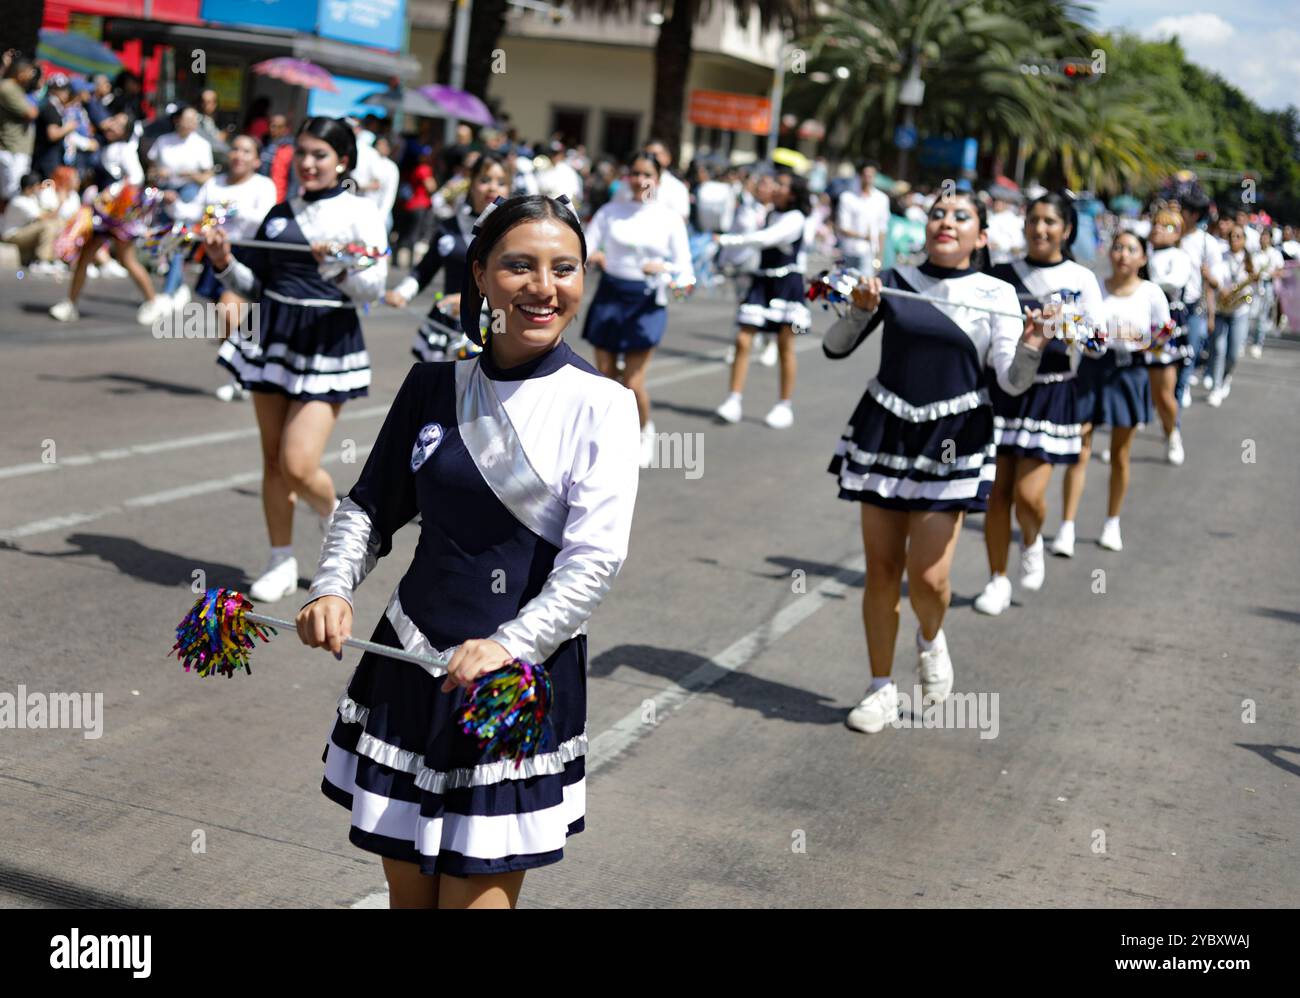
(939, 456)
(773, 302)
(1041, 424)
(311, 353)
(436, 333)
(420, 790)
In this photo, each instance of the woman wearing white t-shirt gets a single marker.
(1268, 261)
(247, 196)
(1115, 391)
(180, 163)
(1232, 316)
(641, 245)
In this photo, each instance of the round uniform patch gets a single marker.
(446, 243)
(275, 226)
(426, 442)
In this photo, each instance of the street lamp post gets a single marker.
(459, 48)
(910, 95)
(778, 94)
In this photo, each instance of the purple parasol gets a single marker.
(459, 104)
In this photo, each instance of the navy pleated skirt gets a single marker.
(773, 302)
(421, 791)
(310, 353)
(1111, 395)
(946, 463)
(623, 317)
(1042, 423)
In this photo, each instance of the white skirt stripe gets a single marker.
(440, 781)
(271, 371)
(1039, 441)
(1016, 424)
(898, 462)
(890, 487)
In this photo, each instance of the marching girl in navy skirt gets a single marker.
(1170, 267)
(1038, 429)
(311, 357)
(1114, 389)
(247, 196)
(641, 245)
(440, 331)
(918, 452)
(776, 301)
(521, 464)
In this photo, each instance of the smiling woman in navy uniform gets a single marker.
(1039, 428)
(522, 464)
(440, 331)
(918, 452)
(311, 356)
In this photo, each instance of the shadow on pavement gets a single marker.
(128, 384)
(60, 893)
(764, 696)
(130, 557)
(1272, 753)
(1290, 616)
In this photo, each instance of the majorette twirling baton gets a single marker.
(505, 709)
(1066, 322)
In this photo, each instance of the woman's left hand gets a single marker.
(323, 250)
(1034, 335)
(472, 659)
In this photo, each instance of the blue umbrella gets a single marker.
(77, 53)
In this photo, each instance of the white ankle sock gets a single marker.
(788, 403)
(281, 554)
(879, 683)
(929, 645)
(1112, 521)
(733, 397)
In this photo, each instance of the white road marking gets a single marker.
(160, 446)
(152, 499)
(632, 727)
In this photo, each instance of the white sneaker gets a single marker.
(1104, 456)
(1063, 543)
(1110, 538)
(1185, 399)
(232, 392)
(729, 411)
(731, 355)
(278, 581)
(1226, 390)
(770, 354)
(1174, 451)
(996, 596)
(781, 417)
(875, 710)
(150, 311)
(648, 440)
(1207, 382)
(935, 668)
(92, 270)
(181, 298)
(113, 269)
(1032, 570)
(64, 311)
(1256, 351)
(1216, 398)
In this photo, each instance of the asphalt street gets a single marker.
(1144, 750)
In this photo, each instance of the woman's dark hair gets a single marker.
(504, 217)
(180, 109)
(979, 258)
(641, 154)
(257, 145)
(338, 135)
(1064, 208)
(799, 198)
(260, 108)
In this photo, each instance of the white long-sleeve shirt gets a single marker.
(631, 233)
(1202, 248)
(252, 198)
(782, 231)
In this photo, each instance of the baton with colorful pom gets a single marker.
(505, 709)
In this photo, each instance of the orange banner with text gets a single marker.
(732, 112)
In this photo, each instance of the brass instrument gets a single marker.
(1241, 293)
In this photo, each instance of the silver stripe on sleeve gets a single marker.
(348, 553)
(494, 447)
(237, 277)
(1024, 366)
(560, 611)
